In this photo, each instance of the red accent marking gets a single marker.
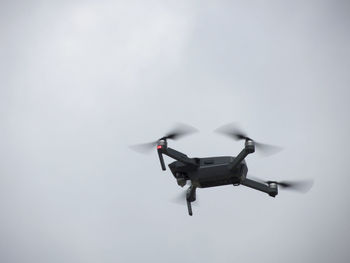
(159, 147)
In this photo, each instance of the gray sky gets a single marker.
(82, 80)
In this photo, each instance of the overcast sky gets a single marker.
(80, 81)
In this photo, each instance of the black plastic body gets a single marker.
(211, 171)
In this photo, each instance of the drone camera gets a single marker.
(180, 179)
(181, 182)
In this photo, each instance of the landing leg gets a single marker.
(190, 197)
(189, 207)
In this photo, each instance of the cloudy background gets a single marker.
(82, 80)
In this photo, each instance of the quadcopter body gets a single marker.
(219, 170)
(211, 171)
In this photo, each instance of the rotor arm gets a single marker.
(248, 149)
(175, 155)
(270, 190)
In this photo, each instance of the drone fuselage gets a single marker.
(210, 171)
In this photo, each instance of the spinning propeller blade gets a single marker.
(232, 130)
(301, 186)
(180, 199)
(144, 147)
(177, 132)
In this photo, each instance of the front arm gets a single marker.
(163, 149)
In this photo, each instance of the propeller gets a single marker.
(181, 197)
(177, 132)
(302, 186)
(232, 130)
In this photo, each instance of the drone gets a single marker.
(218, 170)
